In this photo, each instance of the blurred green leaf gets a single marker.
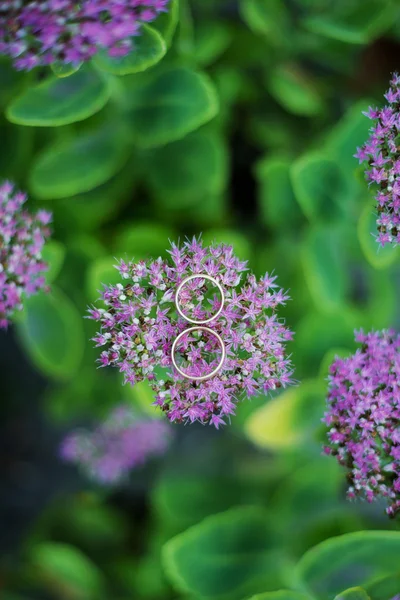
(288, 419)
(52, 334)
(295, 90)
(143, 397)
(267, 17)
(226, 555)
(166, 23)
(78, 164)
(211, 40)
(68, 571)
(378, 257)
(324, 267)
(143, 240)
(167, 106)
(180, 501)
(281, 595)
(350, 132)
(353, 22)
(276, 199)
(241, 245)
(183, 172)
(353, 594)
(61, 69)
(148, 49)
(56, 102)
(353, 559)
(384, 588)
(53, 254)
(91, 209)
(101, 272)
(318, 186)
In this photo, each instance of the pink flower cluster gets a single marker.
(22, 237)
(66, 31)
(122, 442)
(139, 324)
(364, 417)
(382, 152)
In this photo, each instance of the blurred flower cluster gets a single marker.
(140, 324)
(66, 31)
(122, 442)
(364, 417)
(22, 237)
(382, 152)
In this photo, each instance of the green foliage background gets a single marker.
(237, 120)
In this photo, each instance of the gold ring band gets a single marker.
(218, 367)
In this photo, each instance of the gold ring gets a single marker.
(218, 367)
(209, 278)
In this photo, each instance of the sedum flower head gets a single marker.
(40, 33)
(140, 323)
(22, 237)
(364, 417)
(121, 443)
(382, 153)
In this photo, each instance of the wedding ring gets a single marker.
(214, 371)
(215, 282)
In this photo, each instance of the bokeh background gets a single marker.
(245, 133)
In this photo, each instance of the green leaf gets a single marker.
(276, 199)
(78, 164)
(226, 555)
(353, 594)
(67, 570)
(241, 245)
(51, 332)
(57, 101)
(91, 209)
(288, 419)
(353, 22)
(324, 269)
(318, 186)
(378, 257)
(183, 172)
(181, 501)
(148, 49)
(53, 254)
(167, 106)
(61, 69)
(143, 240)
(211, 40)
(354, 559)
(349, 133)
(267, 17)
(143, 397)
(384, 588)
(101, 272)
(295, 91)
(281, 595)
(166, 23)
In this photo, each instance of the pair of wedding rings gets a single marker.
(199, 326)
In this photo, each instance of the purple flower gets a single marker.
(139, 324)
(364, 417)
(121, 443)
(22, 237)
(382, 152)
(40, 33)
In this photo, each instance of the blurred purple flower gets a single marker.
(140, 323)
(121, 443)
(22, 237)
(364, 417)
(66, 31)
(382, 152)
